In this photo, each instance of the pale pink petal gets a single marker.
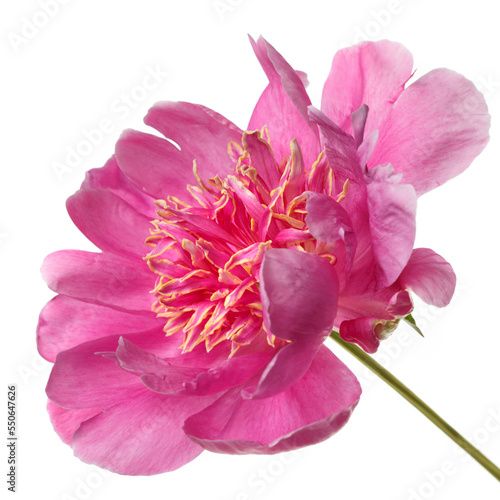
(299, 299)
(436, 128)
(109, 222)
(66, 422)
(392, 207)
(100, 278)
(66, 322)
(140, 436)
(360, 331)
(111, 178)
(371, 73)
(282, 106)
(430, 277)
(308, 412)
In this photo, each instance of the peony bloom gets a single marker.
(226, 261)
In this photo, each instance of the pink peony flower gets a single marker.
(226, 262)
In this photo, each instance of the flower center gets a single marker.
(207, 252)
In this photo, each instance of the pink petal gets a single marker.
(308, 412)
(436, 128)
(360, 331)
(392, 207)
(109, 222)
(262, 159)
(66, 322)
(142, 435)
(111, 178)
(66, 422)
(371, 73)
(155, 165)
(282, 106)
(202, 134)
(329, 222)
(430, 277)
(299, 299)
(100, 278)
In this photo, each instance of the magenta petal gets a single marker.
(66, 322)
(430, 277)
(392, 207)
(282, 106)
(436, 128)
(262, 159)
(140, 436)
(308, 412)
(66, 422)
(361, 332)
(371, 73)
(329, 222)
(299, 298)
(111, 178)
(109, 222)
(100, 278)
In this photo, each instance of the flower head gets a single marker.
(226, 262)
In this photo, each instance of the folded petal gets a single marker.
(282, 106)
(142, 436)
(66, 422)
(100, 278)
(361, 331)
(66, 322)
(371, 73)
(109, 222)
(435, 129)
(430, 277)
(299, 298)
(308, 412)
(392, 207)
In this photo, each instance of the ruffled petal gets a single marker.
(435, 129)
(430, 277)
(66, 322)
(140, 436)
(371, 73)
(109, 222)
(282, 107)
(101, 279)
(308, 412)
(299, 298)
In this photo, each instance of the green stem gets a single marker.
(412, 398)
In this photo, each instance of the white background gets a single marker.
(72, 73)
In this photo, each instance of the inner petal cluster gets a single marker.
(207, 252)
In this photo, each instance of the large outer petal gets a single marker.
(371, 73)
(308, 412)
(66, 322)
(282, 106)
(101, 279)
(435, 129)
(430, 277)
(299, 298)
(140, 436)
